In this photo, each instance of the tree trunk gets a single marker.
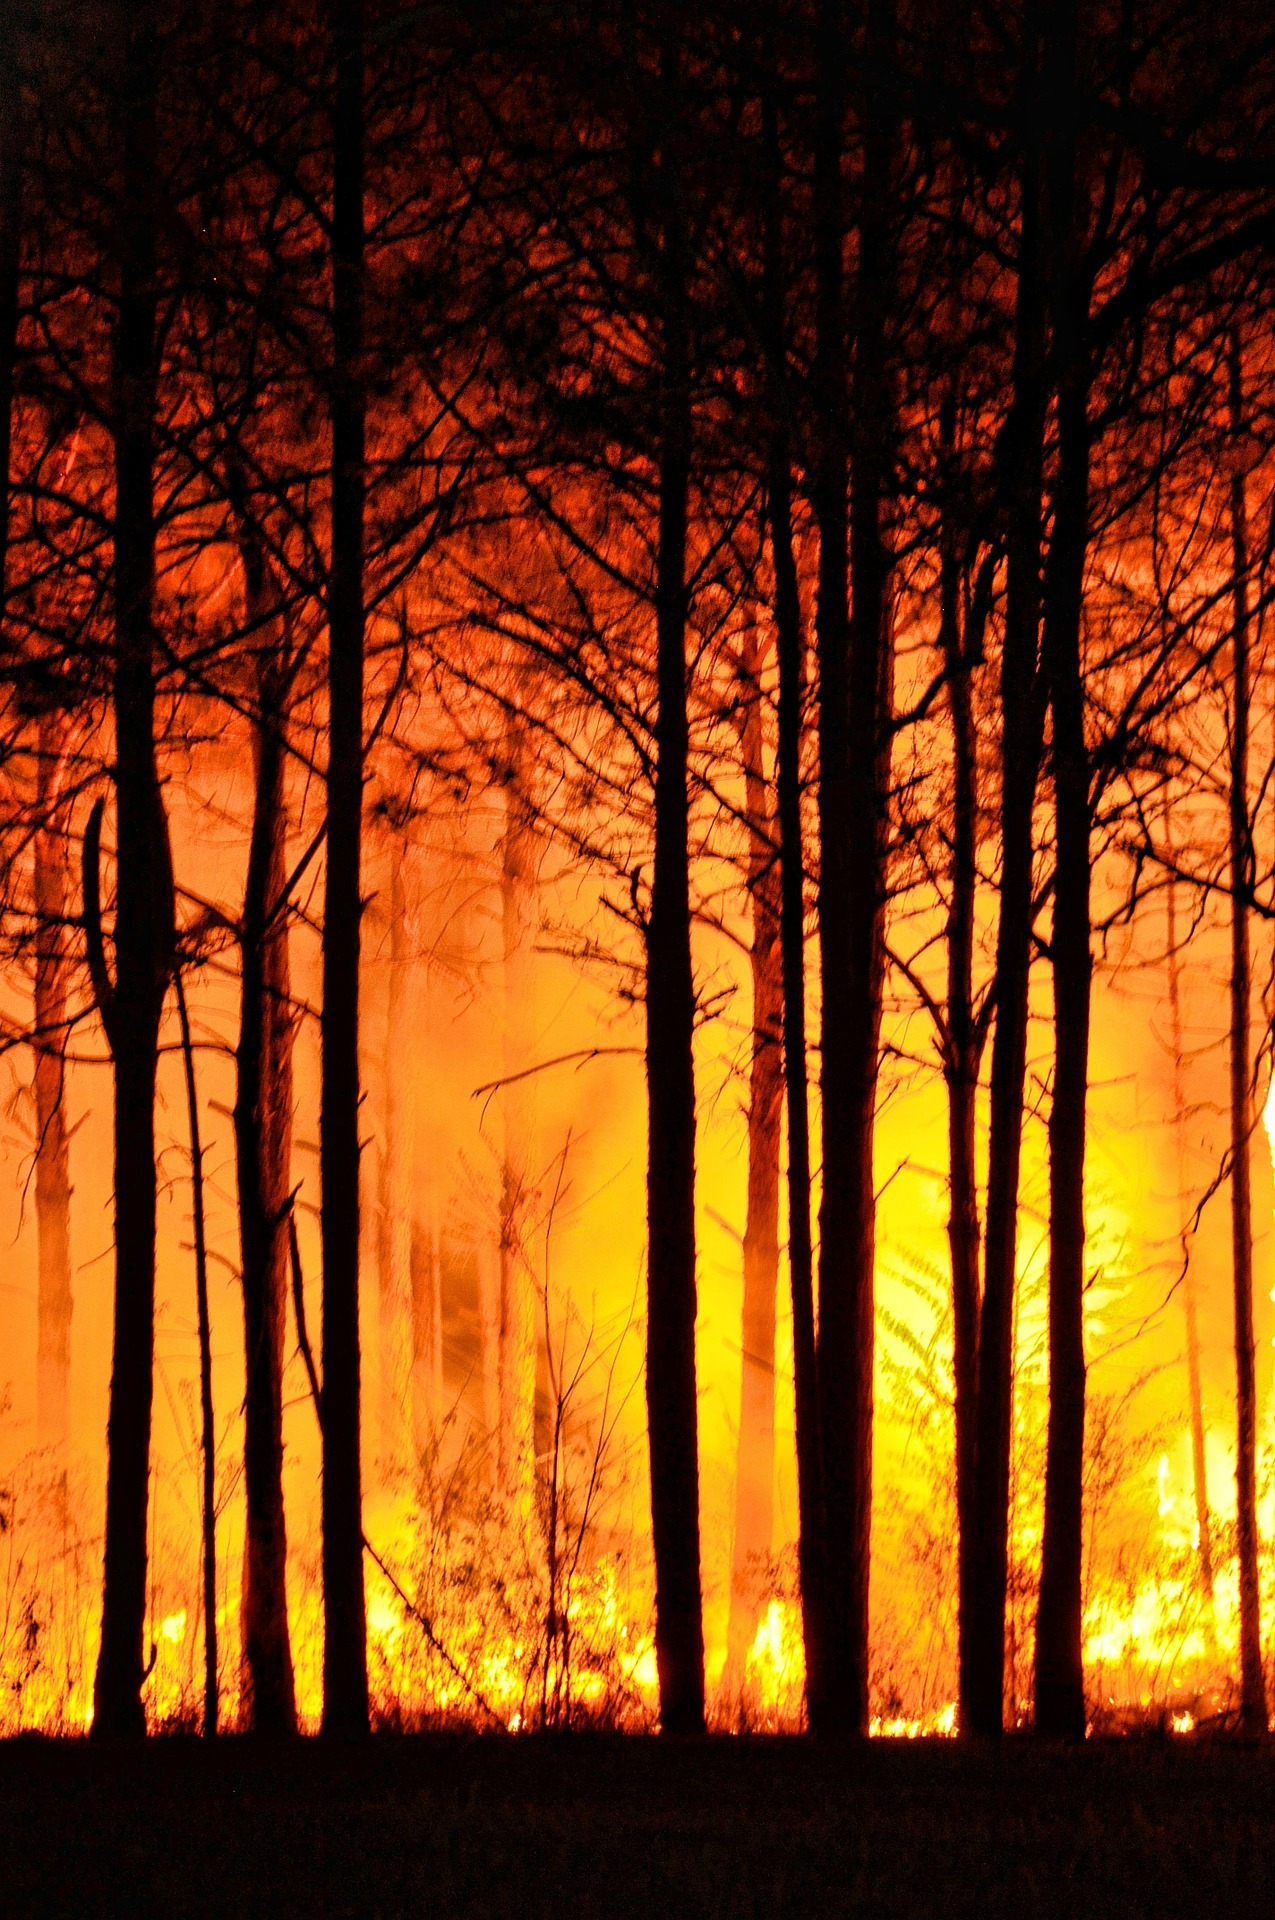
(788, 632)
(207, 1436)
(830, 1693)
(143, 916)
(672, 1413)
(345, 1696)
(755, 1460)
(11, 201)
(962, 1051)
(263, 1160)
(393, 1217)
(518, 1315)
(983, 1648)
(1190, 1305)
(1059, 1677)
(53, 1147)
(854, 783)
(1252, 1678)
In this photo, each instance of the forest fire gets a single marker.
(638, 872)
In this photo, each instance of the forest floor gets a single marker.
(583, 1826)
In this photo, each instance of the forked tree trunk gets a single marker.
(672, 1412)
(263, 1160)
(345, 1694)
(144, 938)
(1059, 1675)
(52, 1139)
(755, 1458)
(519, 1319)
(1190, 1304)
(962, 1048)
(983, 1646)
(788, 633)
(1252, 1678)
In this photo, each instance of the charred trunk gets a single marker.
(144, 939)
(962, 1050)
(1243, 866)
(672, 1413)
(52, 1138)
(983, 1645)
(755, 1459)
(788, 633)
(1059, 1678)
(263, 1159)
(345, 1694)
(854, 783)
(393, 1219)
(1190, 1305)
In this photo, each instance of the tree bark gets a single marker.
(962, 1049)
(345, 1694)
(1252, 1678)
(263, 1159)
(207, 1436)
(983, 1648)
(144, 935)
(831, 1691)
(52, 1139)
(854, 783)
(755, 1458)
(1059, 1675)
(393, 1218)
(1190, 1305)
(788, 633)
(672, 1413)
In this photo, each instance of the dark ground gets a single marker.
(584, 1826)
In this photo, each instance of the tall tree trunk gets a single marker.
(11, 202)
(1252, 1678)
(144, 937)
(672, 1414)
(962, 1047)
(854, 783)
(393, 1216)
(788, 633)
(263, 1161)
(755, 1459)
(518, 1315)
(1059, 1677)
(1190, 1305)
(830, 1692)
(52, 1139)
(207, 1437)
(345, 1696)
(983, 1647)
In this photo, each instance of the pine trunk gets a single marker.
(143, 919)
(962, 1054)
(393, 1216)
(854, 785)
(788, 632)
(52, 1139)
(672, 1413)
(755, 1459)
(345, 1694)
(1190, 1305)
(1252, 1677)
(263, 1158)
(983, 1647)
